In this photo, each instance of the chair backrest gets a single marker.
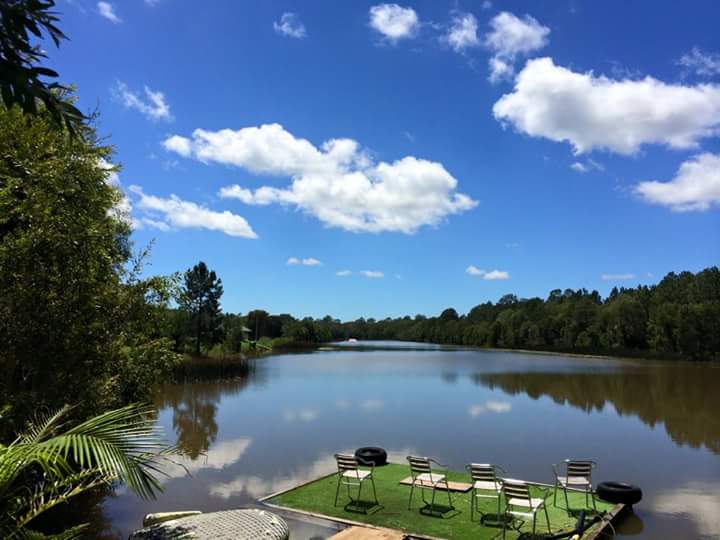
(579, 468)
(346, 462)
(483, 472)
(516, 489)
(419, 465)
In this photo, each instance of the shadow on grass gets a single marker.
(440, 511)
(363, 507)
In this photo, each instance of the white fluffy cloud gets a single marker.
(510, 37)
(696, 185)
(394, 22)
(704, 64)
(372, 274)
(153, 107)
(492, 275)
(107, 10)
(337, 183)
(344, 273)
(309, 261)
(181, 214)
(290, 25)
(617, 277)
(595, 112)
(462, 33)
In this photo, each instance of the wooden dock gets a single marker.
(366, 533)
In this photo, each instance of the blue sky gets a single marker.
(441, 153)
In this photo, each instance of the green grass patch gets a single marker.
(318, 497)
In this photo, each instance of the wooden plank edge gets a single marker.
(292, 488)
(609, 517)
(348, 522)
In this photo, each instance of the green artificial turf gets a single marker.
(318, 497)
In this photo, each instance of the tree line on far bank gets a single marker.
(679, 318)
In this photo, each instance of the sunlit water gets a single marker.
(653, 424)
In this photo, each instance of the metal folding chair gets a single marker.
(424, 478)
(577, 477)
(351, 475)
(520, 504)
(486, 485)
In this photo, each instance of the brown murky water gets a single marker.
(654, 424)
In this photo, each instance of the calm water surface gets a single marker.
(653, 424)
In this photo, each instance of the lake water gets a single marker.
(653, 424)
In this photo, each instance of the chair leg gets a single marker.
(592, 498)
(432, 503)
(534, 522)
(412, 488)
(547, 518)
(567, 502)
(372, 481)
(447, 487)
(337, 491)
(359, 493)
(555, 494)
(473, 498)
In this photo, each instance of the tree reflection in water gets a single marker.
(683, 398)
(195, 406)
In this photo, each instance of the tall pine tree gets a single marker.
(200, 297)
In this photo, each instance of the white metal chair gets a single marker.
(351, 475)
(519, 503)
(486, 485)
(577, 477)
(425, 476)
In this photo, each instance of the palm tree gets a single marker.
(48, 465)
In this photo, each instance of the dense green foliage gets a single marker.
(677, 318)
(75, 318)
(49, 464)
(21, 80)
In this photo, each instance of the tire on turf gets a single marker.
(372, 454)
(619, 493)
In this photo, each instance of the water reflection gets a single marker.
(684, 398)
(195, 407)
(281, 425)
(696, 501)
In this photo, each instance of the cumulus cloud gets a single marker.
(175, 212)
(511, 37)
(290, 25)
(579, 167)
(703, 64)
(344, 273)
(617, 277)
(372, 274)
(309, 261)
(394, 22)
(338, 182)
(595, 112)
(107, 10)
(462, 33)
(696, 186)
(493, 275)
(153, 107)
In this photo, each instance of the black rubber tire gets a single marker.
(372, 454)
(619, 493)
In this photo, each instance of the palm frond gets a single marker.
(124, 444)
